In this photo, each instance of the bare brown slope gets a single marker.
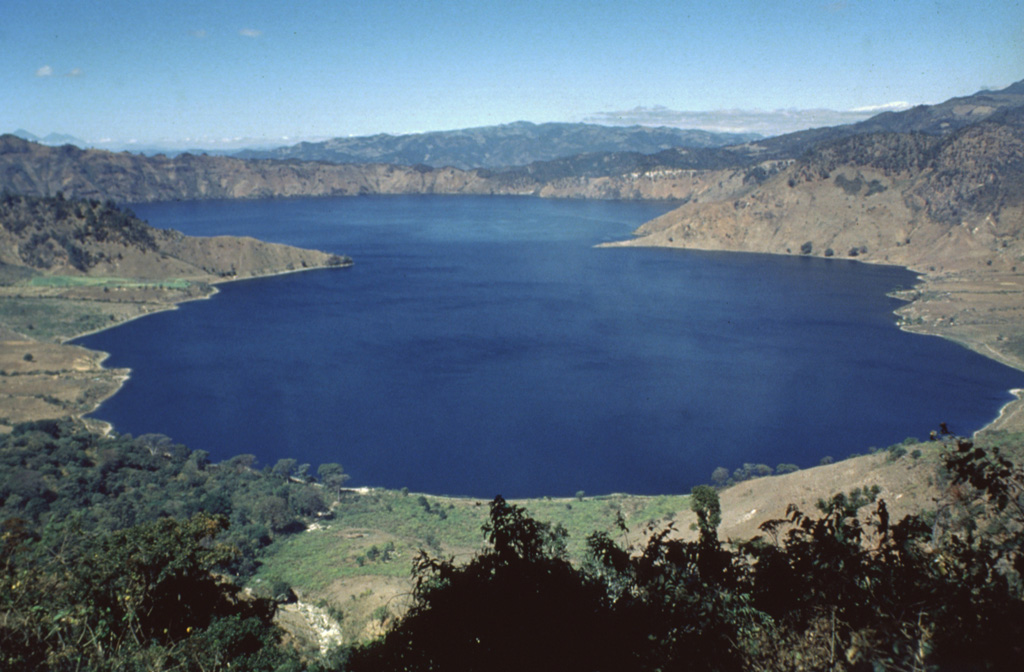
(913, 200)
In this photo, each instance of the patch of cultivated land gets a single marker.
(43, 377)
(41, 380)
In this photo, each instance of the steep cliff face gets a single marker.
(664, 183)
(37, 170)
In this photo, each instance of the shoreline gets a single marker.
(119, 377)
(107, 427)
(1010, 416)
(173, 305)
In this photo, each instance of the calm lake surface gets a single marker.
(483, 346)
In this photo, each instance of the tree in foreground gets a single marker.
(144, 598)
(519, 606)
(844, 591)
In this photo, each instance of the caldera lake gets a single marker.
(484, 345)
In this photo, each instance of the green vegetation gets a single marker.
(114, 553)
(835, 592)
(853, 186)
(143, 598)
(704, 502)
(349, 545)
(58, 476)
(344, 546)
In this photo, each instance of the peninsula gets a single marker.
(72, 267)
(949, 207)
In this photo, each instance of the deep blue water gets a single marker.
(483, 346)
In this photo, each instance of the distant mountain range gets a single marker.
(498, 147)
(222, 147)
(51, 139)
(939, 119)
(685, 173)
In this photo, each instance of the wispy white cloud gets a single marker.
(894, 106)
(198, 34)
(250, 32)
(765, 122)
(47, 71)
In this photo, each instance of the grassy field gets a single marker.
(57, 307)
(379, 533)
(68, 281)
(358, 563)
(46, 319)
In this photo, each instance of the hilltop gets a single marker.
(54, 236)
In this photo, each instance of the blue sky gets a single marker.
(211, 70)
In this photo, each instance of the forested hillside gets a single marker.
(113, 552)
